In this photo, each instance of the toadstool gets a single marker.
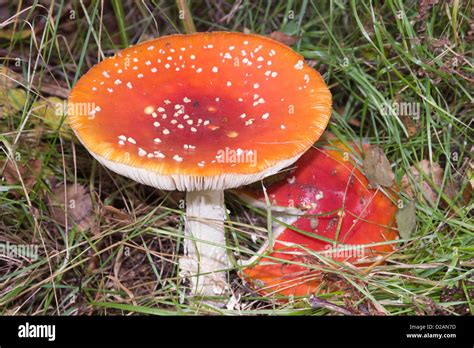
(343, 220)
(200, 113)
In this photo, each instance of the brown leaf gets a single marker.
(284, 38)
(411, 126)
(16, 173)
(9, 78)
(436, 173)
(72, 204)
(377, 168)
(406, 220)
(469, 188)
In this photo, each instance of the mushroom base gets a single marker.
(205, 259)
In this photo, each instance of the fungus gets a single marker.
(343, 220)
(174, 123)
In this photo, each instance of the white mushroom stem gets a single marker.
(205, 257)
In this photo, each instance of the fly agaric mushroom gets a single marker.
(201, 113)
(338, 206)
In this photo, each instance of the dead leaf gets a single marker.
(51, 111)
(377, 168)
(72, 204)
(411, 126)
(10, 34)
(422, 186)
(28, 172)
(11, 101)
(115, 215)
(469, 189)
(406, 220)
(284, 38)
(8, 78)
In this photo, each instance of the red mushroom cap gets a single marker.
(349, 213)
(201, 111)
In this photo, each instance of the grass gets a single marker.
(122, 256)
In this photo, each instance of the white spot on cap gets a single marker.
(265, 116)
(215, 69)
(158, 154)
(141, 152)
(131, 140)
(153, 70)
(148, 110)
(299, 65)
(106, 74)
(157, 140)
(192, 57)
(166, 131)
(178, 158)
(198, 70)
(140, 76)
(129, 85)
(117, 82)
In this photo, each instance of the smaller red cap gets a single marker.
(338, 206)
